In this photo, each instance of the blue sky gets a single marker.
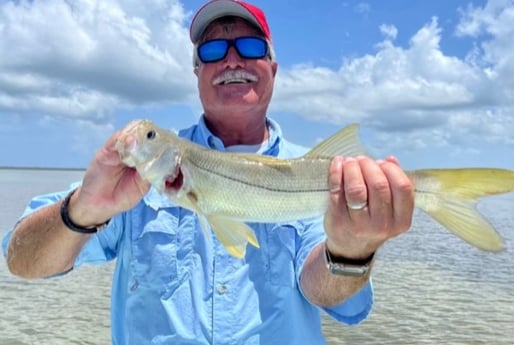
(431, 82)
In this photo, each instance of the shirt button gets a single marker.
(222, 289)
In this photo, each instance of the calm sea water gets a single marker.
(431, 288)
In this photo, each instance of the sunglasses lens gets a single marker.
(212, 51)
(251, 47)
(247, 48)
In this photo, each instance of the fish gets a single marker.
(228, 190)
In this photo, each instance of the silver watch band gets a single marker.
(347, 267)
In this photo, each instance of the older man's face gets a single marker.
(235, 84)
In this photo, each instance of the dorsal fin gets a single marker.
(345, 142)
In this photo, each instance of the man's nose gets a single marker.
(233, 58)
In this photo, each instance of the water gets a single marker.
(430, 287)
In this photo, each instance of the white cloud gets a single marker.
(362, 8)
(86, 59)
(418, 89)
(83, 58)
(394, 79)
(389, 31)
(494, 23)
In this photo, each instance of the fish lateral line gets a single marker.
(250, 184)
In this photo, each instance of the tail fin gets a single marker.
(450, 197)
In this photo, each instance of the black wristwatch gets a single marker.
(341, 266)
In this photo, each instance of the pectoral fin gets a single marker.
(233, 235)
(204, 223)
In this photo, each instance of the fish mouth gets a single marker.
(125, 145)
(174, 182)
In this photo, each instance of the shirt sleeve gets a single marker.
(353, 310)
(100, 248)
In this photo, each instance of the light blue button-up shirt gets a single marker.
(174, 285)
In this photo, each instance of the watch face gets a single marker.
(346, 270)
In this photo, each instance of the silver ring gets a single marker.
(357, 206)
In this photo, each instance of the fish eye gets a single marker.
(150, 134)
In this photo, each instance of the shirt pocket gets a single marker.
(281, 254)
(162, 249)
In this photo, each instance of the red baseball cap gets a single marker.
(220, 8)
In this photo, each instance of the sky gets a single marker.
(430, 82)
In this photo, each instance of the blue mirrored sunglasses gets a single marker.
(246, 47)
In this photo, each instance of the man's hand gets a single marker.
(42, 246)
(108, 188)
(371, 202)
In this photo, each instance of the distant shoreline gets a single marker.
(40, 168)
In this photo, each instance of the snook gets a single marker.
(228, 189)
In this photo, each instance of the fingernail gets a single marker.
(338, 159)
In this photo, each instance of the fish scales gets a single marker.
(264, 193)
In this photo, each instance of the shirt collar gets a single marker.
(203, 136)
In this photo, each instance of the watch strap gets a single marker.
(340, 265)
(65, 216)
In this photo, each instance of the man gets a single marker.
(171, 284)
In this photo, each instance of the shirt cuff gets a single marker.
(356, 308)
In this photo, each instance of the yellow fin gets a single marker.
(469, 183)
(462, 219)
(234, 235)
(450, 196)
(345, 142)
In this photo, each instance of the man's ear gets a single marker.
(274, 68)
(195, 70)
